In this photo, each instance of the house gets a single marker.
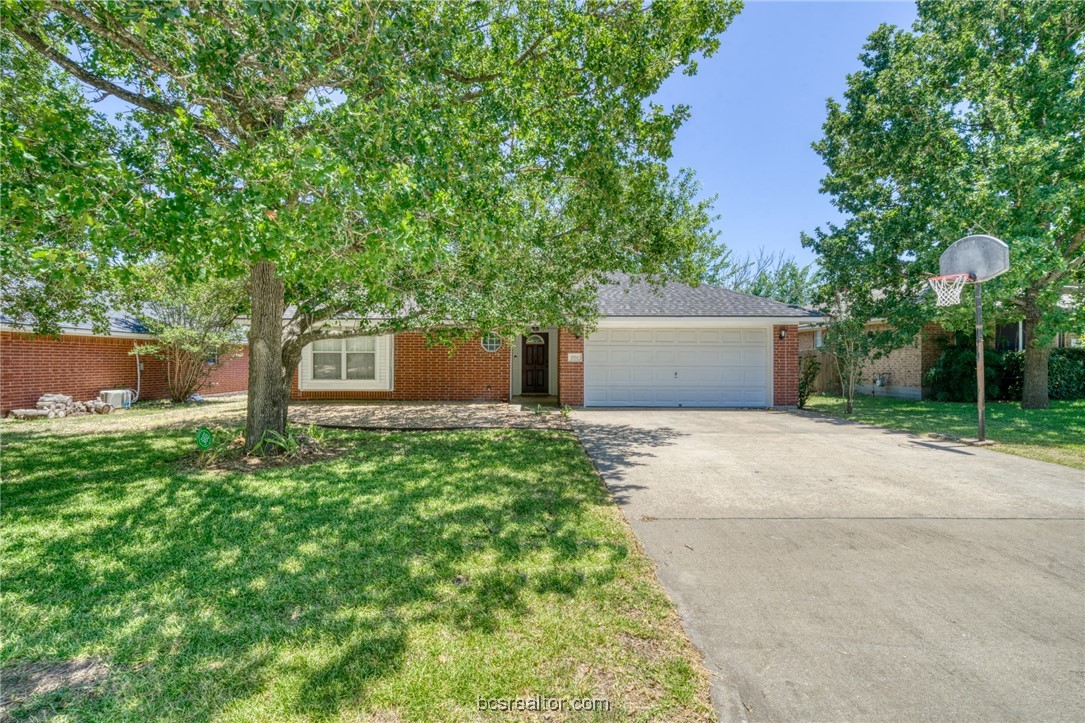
(671, 346)
(902, 371)
(81, 362)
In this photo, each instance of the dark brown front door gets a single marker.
(535, 378)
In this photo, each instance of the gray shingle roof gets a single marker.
(628, 297)
(119, 323)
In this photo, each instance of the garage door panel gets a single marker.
(710, 336)
(677, 367)
(731, 336)
(687, 336)
(754, 357)
(665, 356)
(755, 336)
(694, 357)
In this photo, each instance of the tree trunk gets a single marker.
(1034, 386)
(291, 357)
(846, 372)
(268, 396)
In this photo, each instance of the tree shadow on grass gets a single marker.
(307, 581)
(1006, 421)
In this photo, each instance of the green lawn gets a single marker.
(1052, 435)
(404, 579)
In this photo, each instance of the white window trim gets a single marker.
(384, 372)
(817, 339)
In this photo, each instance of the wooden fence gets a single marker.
(828, 380)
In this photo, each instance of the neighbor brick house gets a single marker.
(673, 346)
(901, 373)
(81, 363)
(898, 374)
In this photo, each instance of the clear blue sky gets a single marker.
(759, 103)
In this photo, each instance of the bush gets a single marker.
(809, 366)
(1012, 376)
(953, 376)
(1066, 373)
(193, 324)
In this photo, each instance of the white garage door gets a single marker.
(676, 368)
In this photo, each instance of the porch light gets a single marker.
(783, 333)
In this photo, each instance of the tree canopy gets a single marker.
(771, 275)
(971, 122)
(408, 164)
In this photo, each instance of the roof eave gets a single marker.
(690, 322)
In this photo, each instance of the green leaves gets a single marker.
(970, 123)
(412, 161)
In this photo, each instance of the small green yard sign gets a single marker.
(204, 438)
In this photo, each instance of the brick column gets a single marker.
(570, 374)
(785, 366)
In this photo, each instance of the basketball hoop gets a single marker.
(972, 260)
(948, 288)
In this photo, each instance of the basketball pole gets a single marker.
(977, 258)
(980, 371)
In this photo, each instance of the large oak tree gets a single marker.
(971, 122)
(424, 165)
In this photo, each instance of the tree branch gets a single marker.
(96, 81)
(122, 38)
(468, 79)
(530, 52)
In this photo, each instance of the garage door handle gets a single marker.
(676, 375)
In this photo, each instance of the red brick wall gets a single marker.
(232, 376)
(570, 374)
(424, 373)
(785, 366)
(81, 366)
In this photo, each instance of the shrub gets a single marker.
(1066, 374)
(809, 366)
(193, 325)
(1011, 376)
(953, 376)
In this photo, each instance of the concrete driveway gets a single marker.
(834, 571)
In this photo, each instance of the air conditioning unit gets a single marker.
(116, 398)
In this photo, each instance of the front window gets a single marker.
(342, 359)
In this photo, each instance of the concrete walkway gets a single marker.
(834, 571)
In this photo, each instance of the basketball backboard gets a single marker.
(983, 257)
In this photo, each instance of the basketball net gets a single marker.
(948, 288)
